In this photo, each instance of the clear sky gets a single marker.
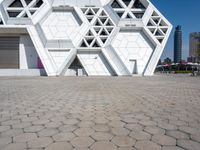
(183, 12)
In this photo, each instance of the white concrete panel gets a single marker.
(94, 63)
(59, 57)
(133, 46)
(60, 26)
(28, 55)
(127, 38)
(22, 72)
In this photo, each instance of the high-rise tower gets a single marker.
(178, 44)
(194, 46)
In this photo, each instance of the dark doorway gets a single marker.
(9, 52)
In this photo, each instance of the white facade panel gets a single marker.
(109, 37)
(132, 47)
(94, 63)
(27, 53)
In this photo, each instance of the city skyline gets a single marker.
(184, 15)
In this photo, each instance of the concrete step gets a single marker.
(22, 72)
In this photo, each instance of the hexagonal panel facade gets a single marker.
(22, 8)
(133, 49)
(61, 25)
(86, 38)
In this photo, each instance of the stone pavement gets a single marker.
(102, 113)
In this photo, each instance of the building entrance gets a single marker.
(9, 52)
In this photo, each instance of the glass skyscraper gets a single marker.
(178, 44)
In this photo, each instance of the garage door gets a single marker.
(9, 52)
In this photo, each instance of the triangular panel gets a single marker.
(95, 63)
(16, 4)
(59, 57)
(116, 4)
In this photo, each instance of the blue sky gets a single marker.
(183, 12)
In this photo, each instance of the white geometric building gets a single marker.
(81, 37)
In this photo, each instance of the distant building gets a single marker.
(167, 61)
(178, 44)
(194, 53)
(192, 59)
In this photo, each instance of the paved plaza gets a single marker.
(97, 113)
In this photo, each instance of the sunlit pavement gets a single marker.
(100, 113)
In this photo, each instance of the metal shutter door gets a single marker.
(9, 52)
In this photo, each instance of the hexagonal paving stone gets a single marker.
(5, 141)
(126, 148)
(130, 120)
(195, 137)
(177, 134)
(100, 136)
(21, 125)
(154, 130)
(123, 141)
(101, 121)
(85, 124)
(4, 119)
(25, 137)
(59, 146)
(40, 142)
(81, 149)
(70, 121)
(82, 142)
(36, 149)
(58, 118)
(178, 122)
(116, 124)
(167, 126)
(120, 131)
(103, 145)
(10, 122)
(48, 132)
(171, 148)
(147, 145)
(140, 135)
(68, 128)
(29, 119)
(134, 127)
(53, 125)
(189, 130)
(87, 118)
(188, 144)
(40, 122)
(66, 136)
(101, 128)
(113, 117)
(164, 140)
(33, 128)
(148, 123)
(4, 128)
(84, 131)
(15, 146)
(11, 132)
